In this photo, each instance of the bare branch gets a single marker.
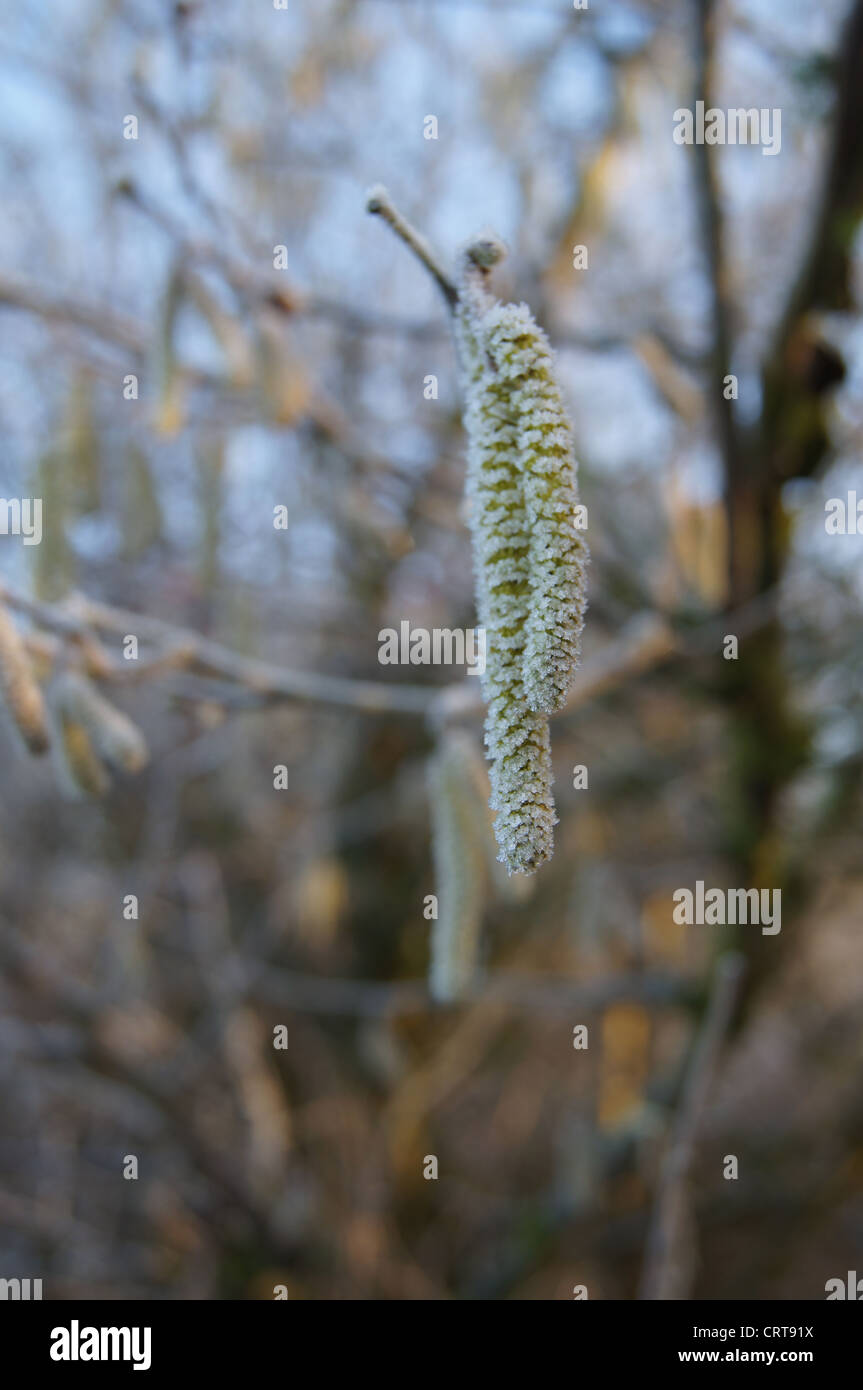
(321, 994)
(20, 293)
(664, 1274)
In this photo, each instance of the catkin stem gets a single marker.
(380, 203)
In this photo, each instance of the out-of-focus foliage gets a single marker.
(200, 325)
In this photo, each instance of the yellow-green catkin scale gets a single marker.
(558, 553)
(517, 737)
(21, 694)
(118, 740)
(458, 829)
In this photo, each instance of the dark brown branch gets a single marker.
(712, 229)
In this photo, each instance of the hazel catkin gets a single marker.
(529, 559)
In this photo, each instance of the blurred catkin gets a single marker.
(82, 764)
(113, 734)
(142, 514)
(528, 557)
(21, 693)
(53, 560)
(458, 818)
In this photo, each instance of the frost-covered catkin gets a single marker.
(21, 693)
(558, 554)
(517, 738)
(458, 829)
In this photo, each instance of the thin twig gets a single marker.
(380, 203)
(17, 292)
(271, 683)
(661, 1278)
(320, 994)
(645, 641)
